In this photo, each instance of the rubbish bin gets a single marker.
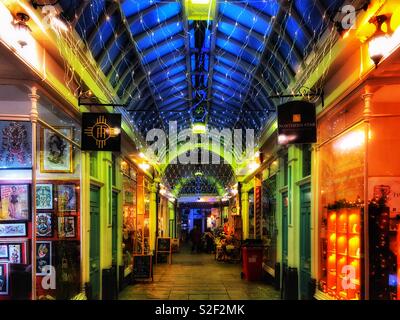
(252, 255)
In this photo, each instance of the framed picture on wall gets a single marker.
(15, 204)
(15, 253)
(56, 151)
(43, 256)
(66, 196)
(3, 251)
(3, 278)
(66, 227)
(17, 229)
(44, 196)
(44, 224)
(16, 145)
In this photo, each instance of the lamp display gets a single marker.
(22, 29)
(343, 251)
(379, 44)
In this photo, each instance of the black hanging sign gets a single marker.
(101, 132)
(297, 123)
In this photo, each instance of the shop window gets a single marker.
(251, 214)
(58, 212)
(269, 223)
(341, 173)
(306, 159)
(129, 205)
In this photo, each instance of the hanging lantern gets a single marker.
(379, 44)
(22, 30)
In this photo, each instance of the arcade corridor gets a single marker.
(266, 130)
(199, 277)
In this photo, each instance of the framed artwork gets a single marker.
(17, 229)
(15, 202)
(17, 251)
(66, 195)
(66, 227)
(44, 196)
(44, 224)
(43, 256)
(3, 278)
(15, 145)
(55, 151)
(14, 253)
(3, 251)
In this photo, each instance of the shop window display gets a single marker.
(129, 213)
(251, 214)
(342, 210)
(269, 223)
(58, 213)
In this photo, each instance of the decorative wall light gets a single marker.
(22, 30)
(379, 44)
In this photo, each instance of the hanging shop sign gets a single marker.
(101, 132)
(297, 123)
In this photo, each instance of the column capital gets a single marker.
(34, 97)
(367, 97)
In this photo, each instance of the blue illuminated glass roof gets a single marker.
(158, 62)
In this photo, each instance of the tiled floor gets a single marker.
(198, 276)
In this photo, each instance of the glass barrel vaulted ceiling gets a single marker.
(163, 65)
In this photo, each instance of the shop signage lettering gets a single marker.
(101, 132)
(297, 123)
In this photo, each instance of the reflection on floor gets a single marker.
(198, 277)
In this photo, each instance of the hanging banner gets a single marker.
(297, 123)
(101, 132)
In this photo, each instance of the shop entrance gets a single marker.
(95, 242)
(114, 227)
(305, 242)
(198, 223)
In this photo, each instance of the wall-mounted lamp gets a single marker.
(22, 30)
(379, 45)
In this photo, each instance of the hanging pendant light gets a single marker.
(22, 30)
(379, 44)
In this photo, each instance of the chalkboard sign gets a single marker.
(164, 247)
(163, 244)
(142, 267)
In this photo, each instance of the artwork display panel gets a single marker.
(17, 229)
(43, 257)
(66, 196)
(3, 278)
(15, 202)
(44, 196)
(44, 224)
(56, 153)
(15, 145)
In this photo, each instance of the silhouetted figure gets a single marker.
(195, 237)
(209, 237)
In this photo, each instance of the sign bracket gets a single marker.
(309, 93)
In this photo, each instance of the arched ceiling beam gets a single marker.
(119, 59)
(160, 27)
(159, 44)
(128, 71)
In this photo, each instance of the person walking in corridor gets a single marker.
(195, 237)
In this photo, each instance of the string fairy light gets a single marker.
(163, 66)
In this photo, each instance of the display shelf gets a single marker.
(343, 237)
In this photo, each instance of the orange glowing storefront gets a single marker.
(358, 191)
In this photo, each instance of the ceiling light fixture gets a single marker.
(379, 44)
(199, 128)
